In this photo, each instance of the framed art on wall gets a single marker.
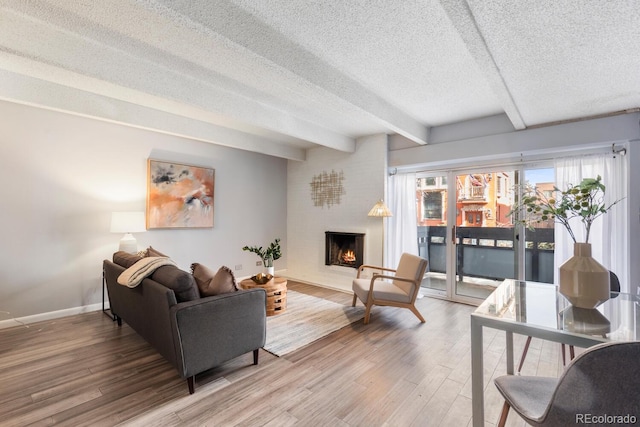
(179, 196)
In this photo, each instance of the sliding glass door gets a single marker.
(466, 231)
(539, 243)
(484, 241)
(432, 211)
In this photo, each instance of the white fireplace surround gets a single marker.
(307, 224)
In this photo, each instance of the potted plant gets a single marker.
(583, 281)
(268, 255)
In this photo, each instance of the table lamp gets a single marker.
(128, 222)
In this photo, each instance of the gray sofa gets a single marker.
(194, 334)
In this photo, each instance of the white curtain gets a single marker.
(402, 227)
(609, 237)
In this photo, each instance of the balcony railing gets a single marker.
(489, 252)
(477, 192)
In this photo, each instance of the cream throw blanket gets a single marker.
(135, 274)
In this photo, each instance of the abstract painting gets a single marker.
(179, 196)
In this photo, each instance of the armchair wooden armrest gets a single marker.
(373, 267)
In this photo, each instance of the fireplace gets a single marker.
(344, 249)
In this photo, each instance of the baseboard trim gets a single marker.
(320, 285)
(52, 315)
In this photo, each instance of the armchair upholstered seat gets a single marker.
(398, 290)
(602, 381)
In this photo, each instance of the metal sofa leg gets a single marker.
(191, 382)
(255, 356)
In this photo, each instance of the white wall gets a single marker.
(364, 184)
(63, 175)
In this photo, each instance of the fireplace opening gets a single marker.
(344, 249)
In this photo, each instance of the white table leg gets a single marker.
(477, 380)
(509, 352)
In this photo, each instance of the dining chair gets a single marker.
(601, 382)
(399, 289)
(614, 284)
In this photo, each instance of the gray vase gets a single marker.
(583, 280)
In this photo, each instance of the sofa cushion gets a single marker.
(182, 283)
(125, 259)
(212, 283)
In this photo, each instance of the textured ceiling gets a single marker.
(281, 76)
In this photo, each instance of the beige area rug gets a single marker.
(306, 320)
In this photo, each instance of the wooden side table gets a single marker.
(276, 289)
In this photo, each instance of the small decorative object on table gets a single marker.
(268, 255)
(583, 280)
(261, 279)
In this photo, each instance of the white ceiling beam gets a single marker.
(243, 29)
(81, 62)
(30, 91)
(463, 20)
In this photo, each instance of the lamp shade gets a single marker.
(380, 210)
(127, 222)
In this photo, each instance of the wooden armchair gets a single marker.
(397, 290)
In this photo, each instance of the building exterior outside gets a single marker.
(482, 200)
(431, 195)
(547, 190)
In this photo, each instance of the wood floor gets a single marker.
(85, 370)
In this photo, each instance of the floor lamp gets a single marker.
(380, 210)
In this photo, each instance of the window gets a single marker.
(432, 205)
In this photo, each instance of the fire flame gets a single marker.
(349, 257)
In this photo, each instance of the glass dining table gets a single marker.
(538, 310)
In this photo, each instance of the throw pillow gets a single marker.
(125, 259)
(213, 283)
